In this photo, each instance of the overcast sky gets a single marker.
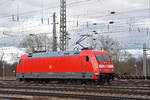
(31, 11)
(74, 8)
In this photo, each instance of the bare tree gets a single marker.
(37, 42)
(2, 55)
(110, 45)
(120, 57)
(14, 56)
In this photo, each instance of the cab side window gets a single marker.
(87, 59)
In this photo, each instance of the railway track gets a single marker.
(116, 82)
(77, 96)
(108, 92)
(47, 86)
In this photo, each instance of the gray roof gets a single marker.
(54, 54)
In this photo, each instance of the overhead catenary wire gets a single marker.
(70, 5)
(73, 3)
(48, 8)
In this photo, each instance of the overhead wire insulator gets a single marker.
(87, 24)
(13, 17)
(94, 24)
(111, 22)
(48, 21)
(17, 18)
(77, 23)
(42, 20)
(112, 12)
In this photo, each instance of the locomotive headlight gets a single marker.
(101, 66)
(110, 66)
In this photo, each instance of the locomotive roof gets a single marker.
(54, 54)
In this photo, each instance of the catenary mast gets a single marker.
(63, 33)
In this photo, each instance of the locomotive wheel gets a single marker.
(19, 79)
(27, 80)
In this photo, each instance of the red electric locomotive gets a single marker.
(74, 65)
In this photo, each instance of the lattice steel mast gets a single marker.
(54, 48)
(63, 33)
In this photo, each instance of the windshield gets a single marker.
(103, 58)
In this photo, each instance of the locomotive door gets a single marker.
(85, 64)
(22, 67)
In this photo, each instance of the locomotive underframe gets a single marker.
(78, 77)
(107, 77)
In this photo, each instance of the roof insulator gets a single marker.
(112, 12)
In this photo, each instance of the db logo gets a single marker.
(50, 66)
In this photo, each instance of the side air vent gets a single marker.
(77, 53)
(66, 53)
(53, 54)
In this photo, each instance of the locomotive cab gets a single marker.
(106, 67)
(101, 64)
